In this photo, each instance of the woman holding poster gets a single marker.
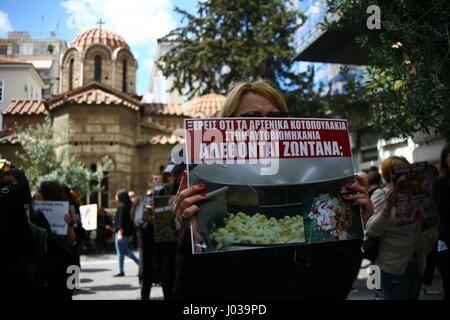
(320, 271)
(400, 256)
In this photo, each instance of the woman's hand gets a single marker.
(119, 235)
(390, 202)
(76, 218)
(184, 205)
(361, 198)
(148, 215)
(68, 219)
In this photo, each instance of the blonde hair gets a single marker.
(261, 87)
(388, 164)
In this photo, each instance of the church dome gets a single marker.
(207, 105)
(96, 35)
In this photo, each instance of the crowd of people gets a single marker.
(406, 254)
(38, 258)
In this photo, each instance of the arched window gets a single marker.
(124, 75)
(71, 73)
(98, 68)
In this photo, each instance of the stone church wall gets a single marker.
(102, 130)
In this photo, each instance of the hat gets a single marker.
(175, 169)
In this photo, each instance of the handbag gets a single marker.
(371, 248)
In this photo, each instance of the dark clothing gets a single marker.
(169, 255)
(319, 271)
(80, 241)
(123, 220)
(28, 272)
(103, 221)
(441, 197)
(102, 232)
(443, 265)
(42, 273)
(61, 257)
(59, 252)
(430, 266)
(168, 269)
(146, 238)
(39, 219)
(159, 254)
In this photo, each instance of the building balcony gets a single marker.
(314, 44)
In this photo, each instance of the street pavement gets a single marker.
(97, 282)
(361, 292)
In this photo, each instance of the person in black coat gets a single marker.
(105, 229)
(146, 241)
(168, 270)
(441, 197)
(123, 227)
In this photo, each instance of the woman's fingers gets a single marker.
(361, 198)
(189, 212)
(191, 200)
(196, 188)
(192, 190)
(185, 216)
(187, 208)
(361, 189)
(391, 196)
(366, 207)
(354, 196)
(357, 187)
(68, 218)
(363, 182)
(183, 183)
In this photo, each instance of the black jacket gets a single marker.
(313, 272)
(441, 197)
(123, 220)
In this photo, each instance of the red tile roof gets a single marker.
(170, 109)
(9, 139)
(106, 37)
(165, 139)
(154, 126)
(94, 93)
(206, 106)
(7, 61)
(28, 107)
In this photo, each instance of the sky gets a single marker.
(139, 22)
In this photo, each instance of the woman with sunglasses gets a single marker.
(320, 271)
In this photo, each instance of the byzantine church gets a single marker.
(99, 106)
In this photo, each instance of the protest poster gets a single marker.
(88, 215)
(139, 212)
(270, 182)
(164, 219)
(413, 184)
(54, 212)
